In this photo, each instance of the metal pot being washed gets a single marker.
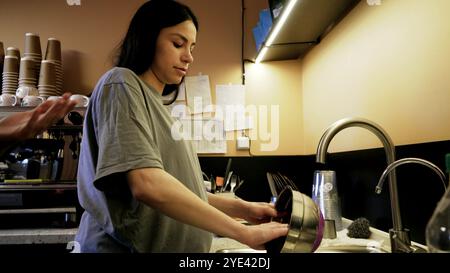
(305, 223)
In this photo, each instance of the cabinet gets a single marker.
(301, 27)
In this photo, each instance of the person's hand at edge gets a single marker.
(23, 125)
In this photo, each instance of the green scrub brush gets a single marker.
(359, 228)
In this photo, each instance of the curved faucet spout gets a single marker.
(354, 122)
(400, 239)
(389, 149)
(403, 161)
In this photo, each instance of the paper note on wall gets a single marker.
(213, 140)
(198, 93)
(230, 106)
(181, 92)
(206, 134)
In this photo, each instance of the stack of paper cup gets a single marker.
(53, 54)
(47, 80)
(27, 79)
(10, 75)
(33, 51)
(13, 51)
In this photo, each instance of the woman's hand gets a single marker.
(258, 212)
(256, 236)
(252, 212)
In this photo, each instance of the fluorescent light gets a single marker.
(261, 54)
(280, 22)
(274, 33)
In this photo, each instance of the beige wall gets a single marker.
(270, 84)
(89, 34)
(388, 63)
(276, 84)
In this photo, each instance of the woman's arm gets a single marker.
(230, 206)
(161, 191)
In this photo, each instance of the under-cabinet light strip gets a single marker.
(261, 54)
(276, 30)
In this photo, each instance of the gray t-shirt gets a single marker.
(127, 127)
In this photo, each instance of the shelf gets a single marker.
(39, 211)
(7, 110)
(37, 236)
(307, 22)
(287, 51)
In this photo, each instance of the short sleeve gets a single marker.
(124, 131)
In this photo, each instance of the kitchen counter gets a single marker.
(65, 235)
(379, 242)
(37, 236)
(220, 243)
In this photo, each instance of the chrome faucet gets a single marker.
(397, 232)
(400, 245)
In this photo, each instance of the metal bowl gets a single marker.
(305, 223)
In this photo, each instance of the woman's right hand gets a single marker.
(255, 236)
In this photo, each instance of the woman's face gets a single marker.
(173, 53)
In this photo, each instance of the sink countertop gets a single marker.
(65, 235)
(220, 243)
(379, 235)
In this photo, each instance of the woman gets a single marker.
(143, 191)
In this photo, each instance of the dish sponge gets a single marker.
(359, 228)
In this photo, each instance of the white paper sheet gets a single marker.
(230, 106)
(198, 93)
(207, 135)
(213, 138)
(182, 92)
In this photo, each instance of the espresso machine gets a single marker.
(35, 159)
(38, 178)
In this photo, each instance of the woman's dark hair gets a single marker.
(137, 49)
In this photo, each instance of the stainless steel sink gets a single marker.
(350, 249)
(331, 249)
(240, 250)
